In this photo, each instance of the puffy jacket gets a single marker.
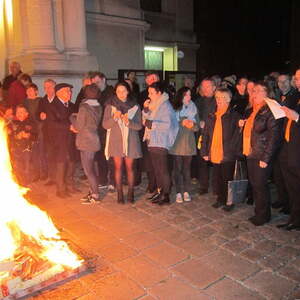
(266, 135)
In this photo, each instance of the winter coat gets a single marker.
(230, 133)
(86, 122)
(114, 139)
(185, 143)
(266, 136)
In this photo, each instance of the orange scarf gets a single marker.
(288, 130)
(216, 149)
(248, 131)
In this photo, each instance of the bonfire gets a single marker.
(31, 249)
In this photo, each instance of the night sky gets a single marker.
(245, 37)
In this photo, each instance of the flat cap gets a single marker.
(61, 86)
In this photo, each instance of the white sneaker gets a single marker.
(186, 197)
(102, 186)
(111, 188)
(179, 198)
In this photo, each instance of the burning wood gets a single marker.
(31, 249)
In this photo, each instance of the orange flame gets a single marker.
(18, 218)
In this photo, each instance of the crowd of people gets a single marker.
(175, 137)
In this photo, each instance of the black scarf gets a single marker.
(123, 107)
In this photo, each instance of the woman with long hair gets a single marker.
(185, 144)
(122, 119)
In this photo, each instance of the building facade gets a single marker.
(63, 39)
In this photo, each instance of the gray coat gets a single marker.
(185, 143)
(115, 142)
(86, 122)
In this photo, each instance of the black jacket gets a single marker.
(59, 130)
(230, 131)
(290, 99)
(266, 135)
(289, 152)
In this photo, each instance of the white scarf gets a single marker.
(124, 130)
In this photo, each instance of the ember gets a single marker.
(31, 250)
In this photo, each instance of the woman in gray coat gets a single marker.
(86, 124)
(122, 119)
(185, 144)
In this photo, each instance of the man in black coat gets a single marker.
(206, 104)
(43, 111)
(288, 96)
(63, 139)
(290, 163)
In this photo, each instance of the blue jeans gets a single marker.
(87, 161)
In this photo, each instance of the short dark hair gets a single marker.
(148, 73)
(91, 91)
(158, 86)
(25, 77)
(123, 83)
(33, 86)
(224, 90)
(208, 79)
(93, 74)
(21, 106)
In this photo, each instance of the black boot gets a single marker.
(130, 195)
(164, 200)
(120, 196)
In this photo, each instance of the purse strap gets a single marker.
(238, 165)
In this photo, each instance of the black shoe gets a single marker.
(203, 191)
(277, 204)
(256, 221)
(292, 227)
(285, 211)
(130, 196)
(165, 200)
(154, 196)
(121, 197)
(217, 204)
(91, 200)
(157, 198)
(250, 201)
(49, 183)
(283, 225)
(228, 207)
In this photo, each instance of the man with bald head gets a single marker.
(14, 72)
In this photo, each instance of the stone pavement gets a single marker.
(182, 251)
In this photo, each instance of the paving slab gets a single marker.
(228, 289)
(270, 285)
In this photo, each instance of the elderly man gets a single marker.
(206, 105)
(63, 139)
(44, 110)
(15, 71)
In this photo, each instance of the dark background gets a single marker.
(247, 37)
